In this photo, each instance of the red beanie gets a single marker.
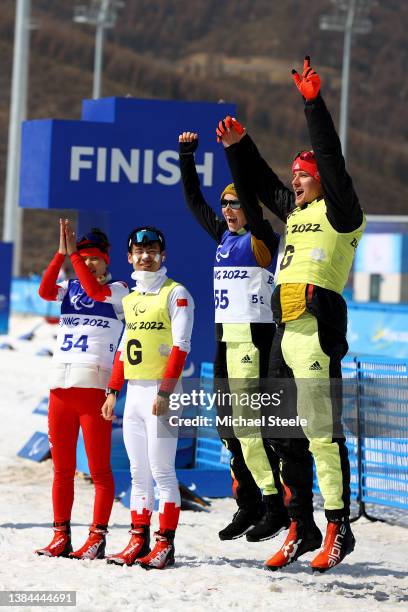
(306, 161)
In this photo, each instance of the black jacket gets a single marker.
(254, 180)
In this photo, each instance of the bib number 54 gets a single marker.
(69, 343)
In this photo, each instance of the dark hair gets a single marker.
(96, 238)
(132, 239)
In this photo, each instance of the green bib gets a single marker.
(148, 333)
(315, 252)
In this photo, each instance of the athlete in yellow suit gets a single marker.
(324, 225)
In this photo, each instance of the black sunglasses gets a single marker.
(234, 204)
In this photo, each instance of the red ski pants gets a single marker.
(70, 409)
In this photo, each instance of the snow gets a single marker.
(209, 574)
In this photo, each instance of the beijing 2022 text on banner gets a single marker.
(118, 166)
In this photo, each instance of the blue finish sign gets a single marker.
(122, 155)
(118, 166)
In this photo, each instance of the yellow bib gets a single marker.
(148, 333)
(315, 253)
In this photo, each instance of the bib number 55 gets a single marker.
(221, 298)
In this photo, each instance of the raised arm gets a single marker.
(343, 207)
(49, 288)
(264, 241)
(254, 180)
(205, 215)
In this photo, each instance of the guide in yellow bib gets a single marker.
(324, 225)
(148, 333)
(159, 315)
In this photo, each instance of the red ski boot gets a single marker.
(60, 545)
(94, 547)
(338, 542)
(139, 546)
(162, 554)
(302, 538)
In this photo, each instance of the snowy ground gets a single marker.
(209, 574)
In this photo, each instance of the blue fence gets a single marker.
(375, 417)
(383, 402)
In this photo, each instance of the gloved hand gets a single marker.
(223, 126)
(229, 123)
(237, 126)
(309, 83)
(188, 143)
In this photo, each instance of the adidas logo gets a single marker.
(316, 366)
(246, 359)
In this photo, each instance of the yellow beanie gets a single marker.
(230, 189)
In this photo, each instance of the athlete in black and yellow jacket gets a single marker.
(244, 267)
(324, 225)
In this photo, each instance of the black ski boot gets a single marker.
(242, 521)
(274, 520)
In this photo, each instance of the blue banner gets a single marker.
(25, 298)
(375, 329)
(6, 258)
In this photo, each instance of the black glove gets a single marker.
(188, 148)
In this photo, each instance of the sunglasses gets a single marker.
(142, 236)
(234, 204)
(305, 156)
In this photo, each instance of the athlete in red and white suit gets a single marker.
(89, 330)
